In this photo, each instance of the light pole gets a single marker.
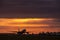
(18, 28)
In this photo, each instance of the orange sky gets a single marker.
(7, 25)
(23, 22)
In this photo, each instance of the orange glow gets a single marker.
(26, 22)
(17, 22)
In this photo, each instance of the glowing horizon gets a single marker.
(10, 24)
(17, 22)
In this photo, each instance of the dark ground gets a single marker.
(29, 37)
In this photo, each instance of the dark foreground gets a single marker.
(29, 37)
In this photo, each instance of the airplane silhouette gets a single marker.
(20, 32)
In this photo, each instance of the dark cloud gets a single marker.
(30, 8)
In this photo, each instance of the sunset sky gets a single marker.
(30, 8)
(33, 15)
(33, 25)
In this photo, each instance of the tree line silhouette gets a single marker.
(23, 35)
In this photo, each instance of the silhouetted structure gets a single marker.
(22, 32)
(41, 36)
